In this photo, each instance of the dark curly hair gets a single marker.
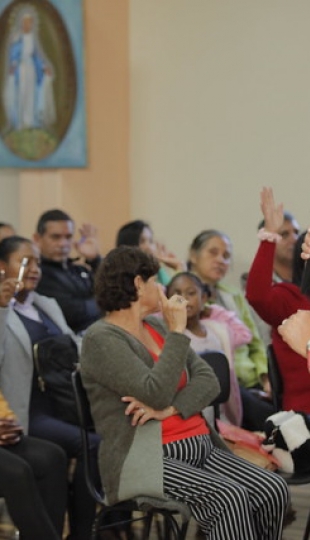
(114, 282)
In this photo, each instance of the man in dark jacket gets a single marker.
(64, 279)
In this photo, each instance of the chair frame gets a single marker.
(148, 507)
(276, 383)
(220, 365)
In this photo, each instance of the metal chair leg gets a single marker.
(307, 529)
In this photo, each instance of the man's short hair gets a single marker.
(51, 215)
(287, 216)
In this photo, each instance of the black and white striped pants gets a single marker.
(230, 498)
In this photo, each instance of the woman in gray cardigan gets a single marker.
(147, 388)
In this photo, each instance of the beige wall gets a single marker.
(9, 199)
(99, 193)
(220, 106)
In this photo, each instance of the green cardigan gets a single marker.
(115, 364)
(250, 359)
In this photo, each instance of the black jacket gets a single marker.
(72, 286)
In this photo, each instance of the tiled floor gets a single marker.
(300, 499)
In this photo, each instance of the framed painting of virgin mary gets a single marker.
(42, 101)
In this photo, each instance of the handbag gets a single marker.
(248, 445)
(55, 358)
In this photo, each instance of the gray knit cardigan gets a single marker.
(115, 364)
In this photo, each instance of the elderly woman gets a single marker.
(210, 259)
(147, 388)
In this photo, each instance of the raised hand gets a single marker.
(273, 214)
(168, 258)
(173, 310)
(88, 245)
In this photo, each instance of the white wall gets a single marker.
(220, 106)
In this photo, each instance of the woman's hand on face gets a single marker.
(273, 214)
(306, 246)
(8, 289)
(142, 413)
(10, 431)
(174, 311)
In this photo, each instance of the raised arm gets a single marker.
(260, 293)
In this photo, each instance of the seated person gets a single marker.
(33, 480)
(146, 388)
(25, 319)
(275, 302)
(139, 233)
(210, 258)
(219, 330)
(283, 269)
(71, 284)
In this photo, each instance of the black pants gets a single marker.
(255, 410)
(68, 436)
(33, 481)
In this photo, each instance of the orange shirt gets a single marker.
(175, 427)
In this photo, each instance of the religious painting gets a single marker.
(42, 102)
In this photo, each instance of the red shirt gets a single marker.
(274, 303)
(175, 427)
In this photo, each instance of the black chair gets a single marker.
(220, 365)
(275, 379)
(147, 507)
(276, 383)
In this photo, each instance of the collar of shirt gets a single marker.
(26, 308)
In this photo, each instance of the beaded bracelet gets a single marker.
(269, 236)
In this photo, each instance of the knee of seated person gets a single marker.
(21, 473)
(234, 493)
(58, 457)
(51, 458)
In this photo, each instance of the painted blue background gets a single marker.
(72, 150)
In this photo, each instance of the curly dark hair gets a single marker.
(114, 282)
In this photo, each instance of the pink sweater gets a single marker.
(238, 331)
